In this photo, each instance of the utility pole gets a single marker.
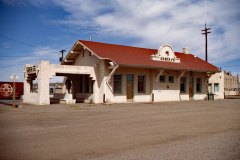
(206, 31)
(238, 84)
(14, 78)
(61, 58)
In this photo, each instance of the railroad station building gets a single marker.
(108, 73)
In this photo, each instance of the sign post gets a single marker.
(14, 78)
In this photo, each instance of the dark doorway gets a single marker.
(130, 83)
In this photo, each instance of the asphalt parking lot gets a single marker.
(169, 130)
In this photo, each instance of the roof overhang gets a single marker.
(166, 68)
(77, 49)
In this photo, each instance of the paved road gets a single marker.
(174, 130)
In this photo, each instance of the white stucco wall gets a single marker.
(199, 96)
(217, 78)
(87, 59)
(228, 84)
(166, 95)
(138, 97)
(44, 72)
(184, 97)
(159, 91)
(99, 71)
(166, 91)
(32, 98)
(142, 98)
(218, 95)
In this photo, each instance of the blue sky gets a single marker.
(34, 30)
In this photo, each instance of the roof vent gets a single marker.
(185, 50)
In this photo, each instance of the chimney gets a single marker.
(185, 50)
(90, 38)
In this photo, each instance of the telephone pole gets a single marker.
(61, 58)
(238, 84)
(206, 31)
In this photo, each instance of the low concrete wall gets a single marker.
(142, 98)
(118, 99)
(184, 97)
(199, 96)
(166, 95)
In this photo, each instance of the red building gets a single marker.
(6, 90)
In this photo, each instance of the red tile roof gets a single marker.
(140, 57)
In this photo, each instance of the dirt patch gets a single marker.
(84, 131)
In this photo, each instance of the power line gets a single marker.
(232, 65)
(22, 56)
(24, 43)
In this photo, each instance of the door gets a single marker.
(191, 87)
(130, 83)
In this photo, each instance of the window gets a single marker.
(216, 87)
(141, 84)
(129, 77)
(171, 79)
(162, 79)
(199, 85)
(117, 84)
(183, 85)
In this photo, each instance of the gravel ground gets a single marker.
(192, 130)
(223, 146)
